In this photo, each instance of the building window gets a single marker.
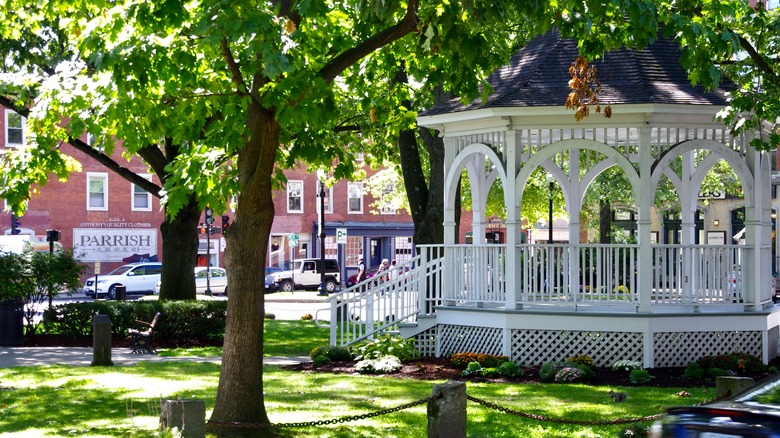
(354, 250)
(385, 202)
(141, 199)
(97, 191)
(355, 194)
(294, 196)
(14, 129)
(328, 197)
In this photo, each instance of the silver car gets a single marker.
(137, 278)
(217, 283)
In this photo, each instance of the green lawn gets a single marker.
(282, 338)
(125, 401)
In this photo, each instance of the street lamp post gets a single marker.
(209, 220)
(550, 235)
(323, 290)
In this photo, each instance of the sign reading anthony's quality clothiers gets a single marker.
(114, 240)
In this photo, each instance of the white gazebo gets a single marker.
(660, 304)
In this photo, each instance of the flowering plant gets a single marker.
(568, 375)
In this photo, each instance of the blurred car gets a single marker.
(270, 284)
(352, 279)
(752, 413)
(137, 278)
(217, 283)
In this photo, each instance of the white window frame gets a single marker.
(385, 208)
(98, 176)
(300, 195)
(328, 198)
(8, 128)
(133, 194)
(351, 187)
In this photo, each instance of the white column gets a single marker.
(450, 152)
(513, 222)
(574, 187)
(646, 195)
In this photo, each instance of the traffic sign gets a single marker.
(341, 235)
(293, 240)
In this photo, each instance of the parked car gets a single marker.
(306, 273)
(352, 279)
(217, 283)
(753, 413)
(270, 284)
(137, 278)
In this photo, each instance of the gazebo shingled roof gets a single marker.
(537, 75)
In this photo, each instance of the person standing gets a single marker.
(393, 272)
(361, 275)
(382, 272)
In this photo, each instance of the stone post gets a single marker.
(101, 341)
(729, 386)
(189, 416)
(447, 412)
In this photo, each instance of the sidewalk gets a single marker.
(82, 356)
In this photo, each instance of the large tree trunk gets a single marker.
(605, 221)
(180, 247)
(240, 390)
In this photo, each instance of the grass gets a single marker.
(124, 401)
(282, 338)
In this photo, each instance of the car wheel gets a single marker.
(111, 293)
(286, 286)
(330, 286)
(225, 291)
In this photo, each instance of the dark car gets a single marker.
(352, 279)
(753, 413)
(270, 284)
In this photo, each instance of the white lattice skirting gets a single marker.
(679, 349)
(535, 347)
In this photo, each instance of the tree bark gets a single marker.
(180, 247)
(240, 390)
(605, 221)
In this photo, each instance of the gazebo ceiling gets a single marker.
(537, 76)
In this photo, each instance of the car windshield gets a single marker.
(768, 394)
(120, 270)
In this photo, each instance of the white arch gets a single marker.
(549, 151)
(718, 149)
(460, 162)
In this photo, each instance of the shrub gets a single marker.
(693, 371)
(334, 353)
(509, 369)
(626, 365)
(549, 370)
(568, 375)
(318, 361)
(462, 360)
(639, 377)
(472, 368)
(716, 372)
(741, 363)
(404, 349)
(307, 317)
(582, 359)
(270, 316)
(490, 372)
(384, 365)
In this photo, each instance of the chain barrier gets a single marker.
(484, 403)
(547, 419)
(332, 421)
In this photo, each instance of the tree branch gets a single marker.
(761, 63)
(95, 154)
(349, 57)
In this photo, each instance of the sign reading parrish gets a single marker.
(103, 242)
